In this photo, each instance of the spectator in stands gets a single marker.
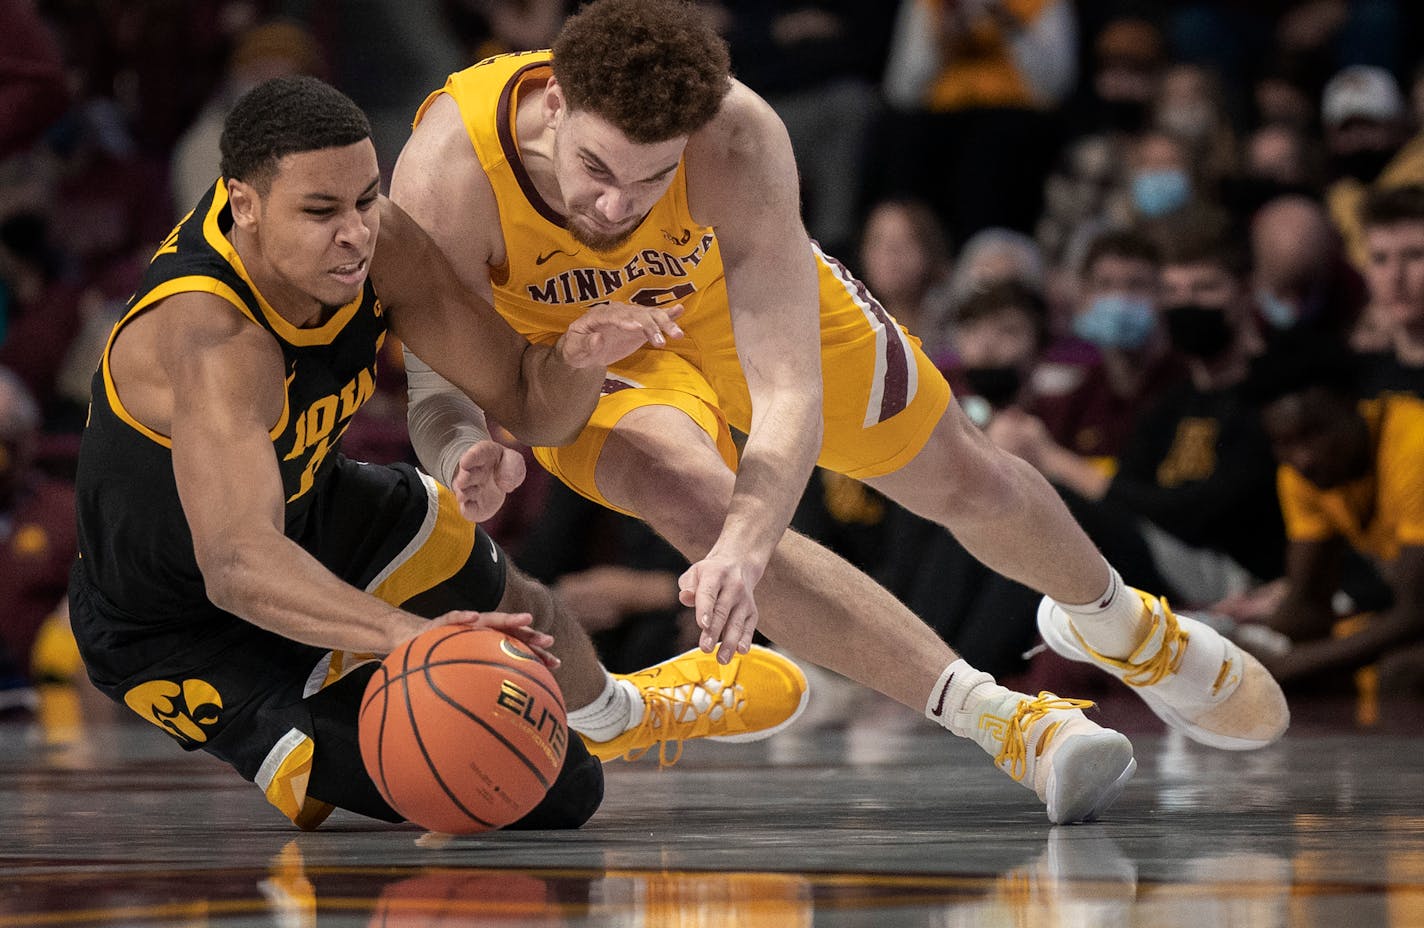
(993, 256)
(37, 542)
(33, 90)
(972, 83)
(1367, 138)
(1163, 177)
(1196, 468)
(1191, 106)
(817, 63)
(1089, 398)
(904, 261)
(1350, 475)
(1393, 225)
(1301, 278)
(276, 48)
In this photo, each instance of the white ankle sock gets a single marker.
(1113, 624)
(615, 710)
(959, 699)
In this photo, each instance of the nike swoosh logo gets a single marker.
(938, 710)
(1108, 597)
(557, 251)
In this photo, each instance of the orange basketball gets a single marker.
(463, 729)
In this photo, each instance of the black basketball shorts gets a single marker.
(282, 713)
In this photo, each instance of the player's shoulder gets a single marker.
(743, 128)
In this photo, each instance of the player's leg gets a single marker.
(1006, 514)
(399, 535)
(339, 776)
(661, 465)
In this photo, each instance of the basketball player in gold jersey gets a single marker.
(628, 165)
(233, 562)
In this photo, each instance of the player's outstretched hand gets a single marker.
(487, 473)
(609, 332)
(517, 625)
(719, 589)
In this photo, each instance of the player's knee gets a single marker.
(522, 593)
(574, 797)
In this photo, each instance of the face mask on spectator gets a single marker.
(1115, 320)
(998, 385)
(1198, 331)
(1280, 314)
(1160, 192)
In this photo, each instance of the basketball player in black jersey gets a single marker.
(232, 561)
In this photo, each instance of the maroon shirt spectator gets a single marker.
(33, 92)
(1083, 412)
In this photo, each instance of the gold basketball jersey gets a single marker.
(549, 278)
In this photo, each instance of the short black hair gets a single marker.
(1296, 363)
(1205, 237)
(284, 116)
(1390, 206)
(1121, 243)
(995, 297)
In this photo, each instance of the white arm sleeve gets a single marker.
(444, 423)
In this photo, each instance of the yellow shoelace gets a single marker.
(1161, 664)
(666, 711)
(1015, 749)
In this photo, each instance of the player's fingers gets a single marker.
(741, 619)
(481, 456)
(510, 472)
(505, 621)
(708, 617)
(718, 612)
(687, 588)
(665, 323)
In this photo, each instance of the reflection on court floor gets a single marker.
(875, 822)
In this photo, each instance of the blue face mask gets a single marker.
(1281, 314)
(1117, 321)
(1160, 193)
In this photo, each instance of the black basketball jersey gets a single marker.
(134, 541)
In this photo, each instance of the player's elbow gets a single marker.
(229, 567)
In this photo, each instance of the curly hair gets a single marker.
(655, 69)
(284, 116)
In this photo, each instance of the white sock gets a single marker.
(615, 710)
(1113, 624)
(960, 698)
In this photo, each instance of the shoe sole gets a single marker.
(1066, 647)
(764, 733)
(1089, 773)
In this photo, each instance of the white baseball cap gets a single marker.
(1361, 91)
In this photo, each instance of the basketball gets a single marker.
(463, 729)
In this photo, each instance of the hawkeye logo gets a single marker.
(185, 712)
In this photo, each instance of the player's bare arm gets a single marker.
(542, 393)
(742, 181)
(447, 429)
(218, 392)
(440, 184)
(1402, 623)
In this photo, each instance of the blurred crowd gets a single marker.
(1171, 252)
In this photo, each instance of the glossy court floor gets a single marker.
(877, 821)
